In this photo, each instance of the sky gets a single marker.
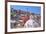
(33, 9)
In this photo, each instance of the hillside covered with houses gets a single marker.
(18, 15)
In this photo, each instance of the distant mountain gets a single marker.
(20, 11)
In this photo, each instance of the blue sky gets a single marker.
(33, 9)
